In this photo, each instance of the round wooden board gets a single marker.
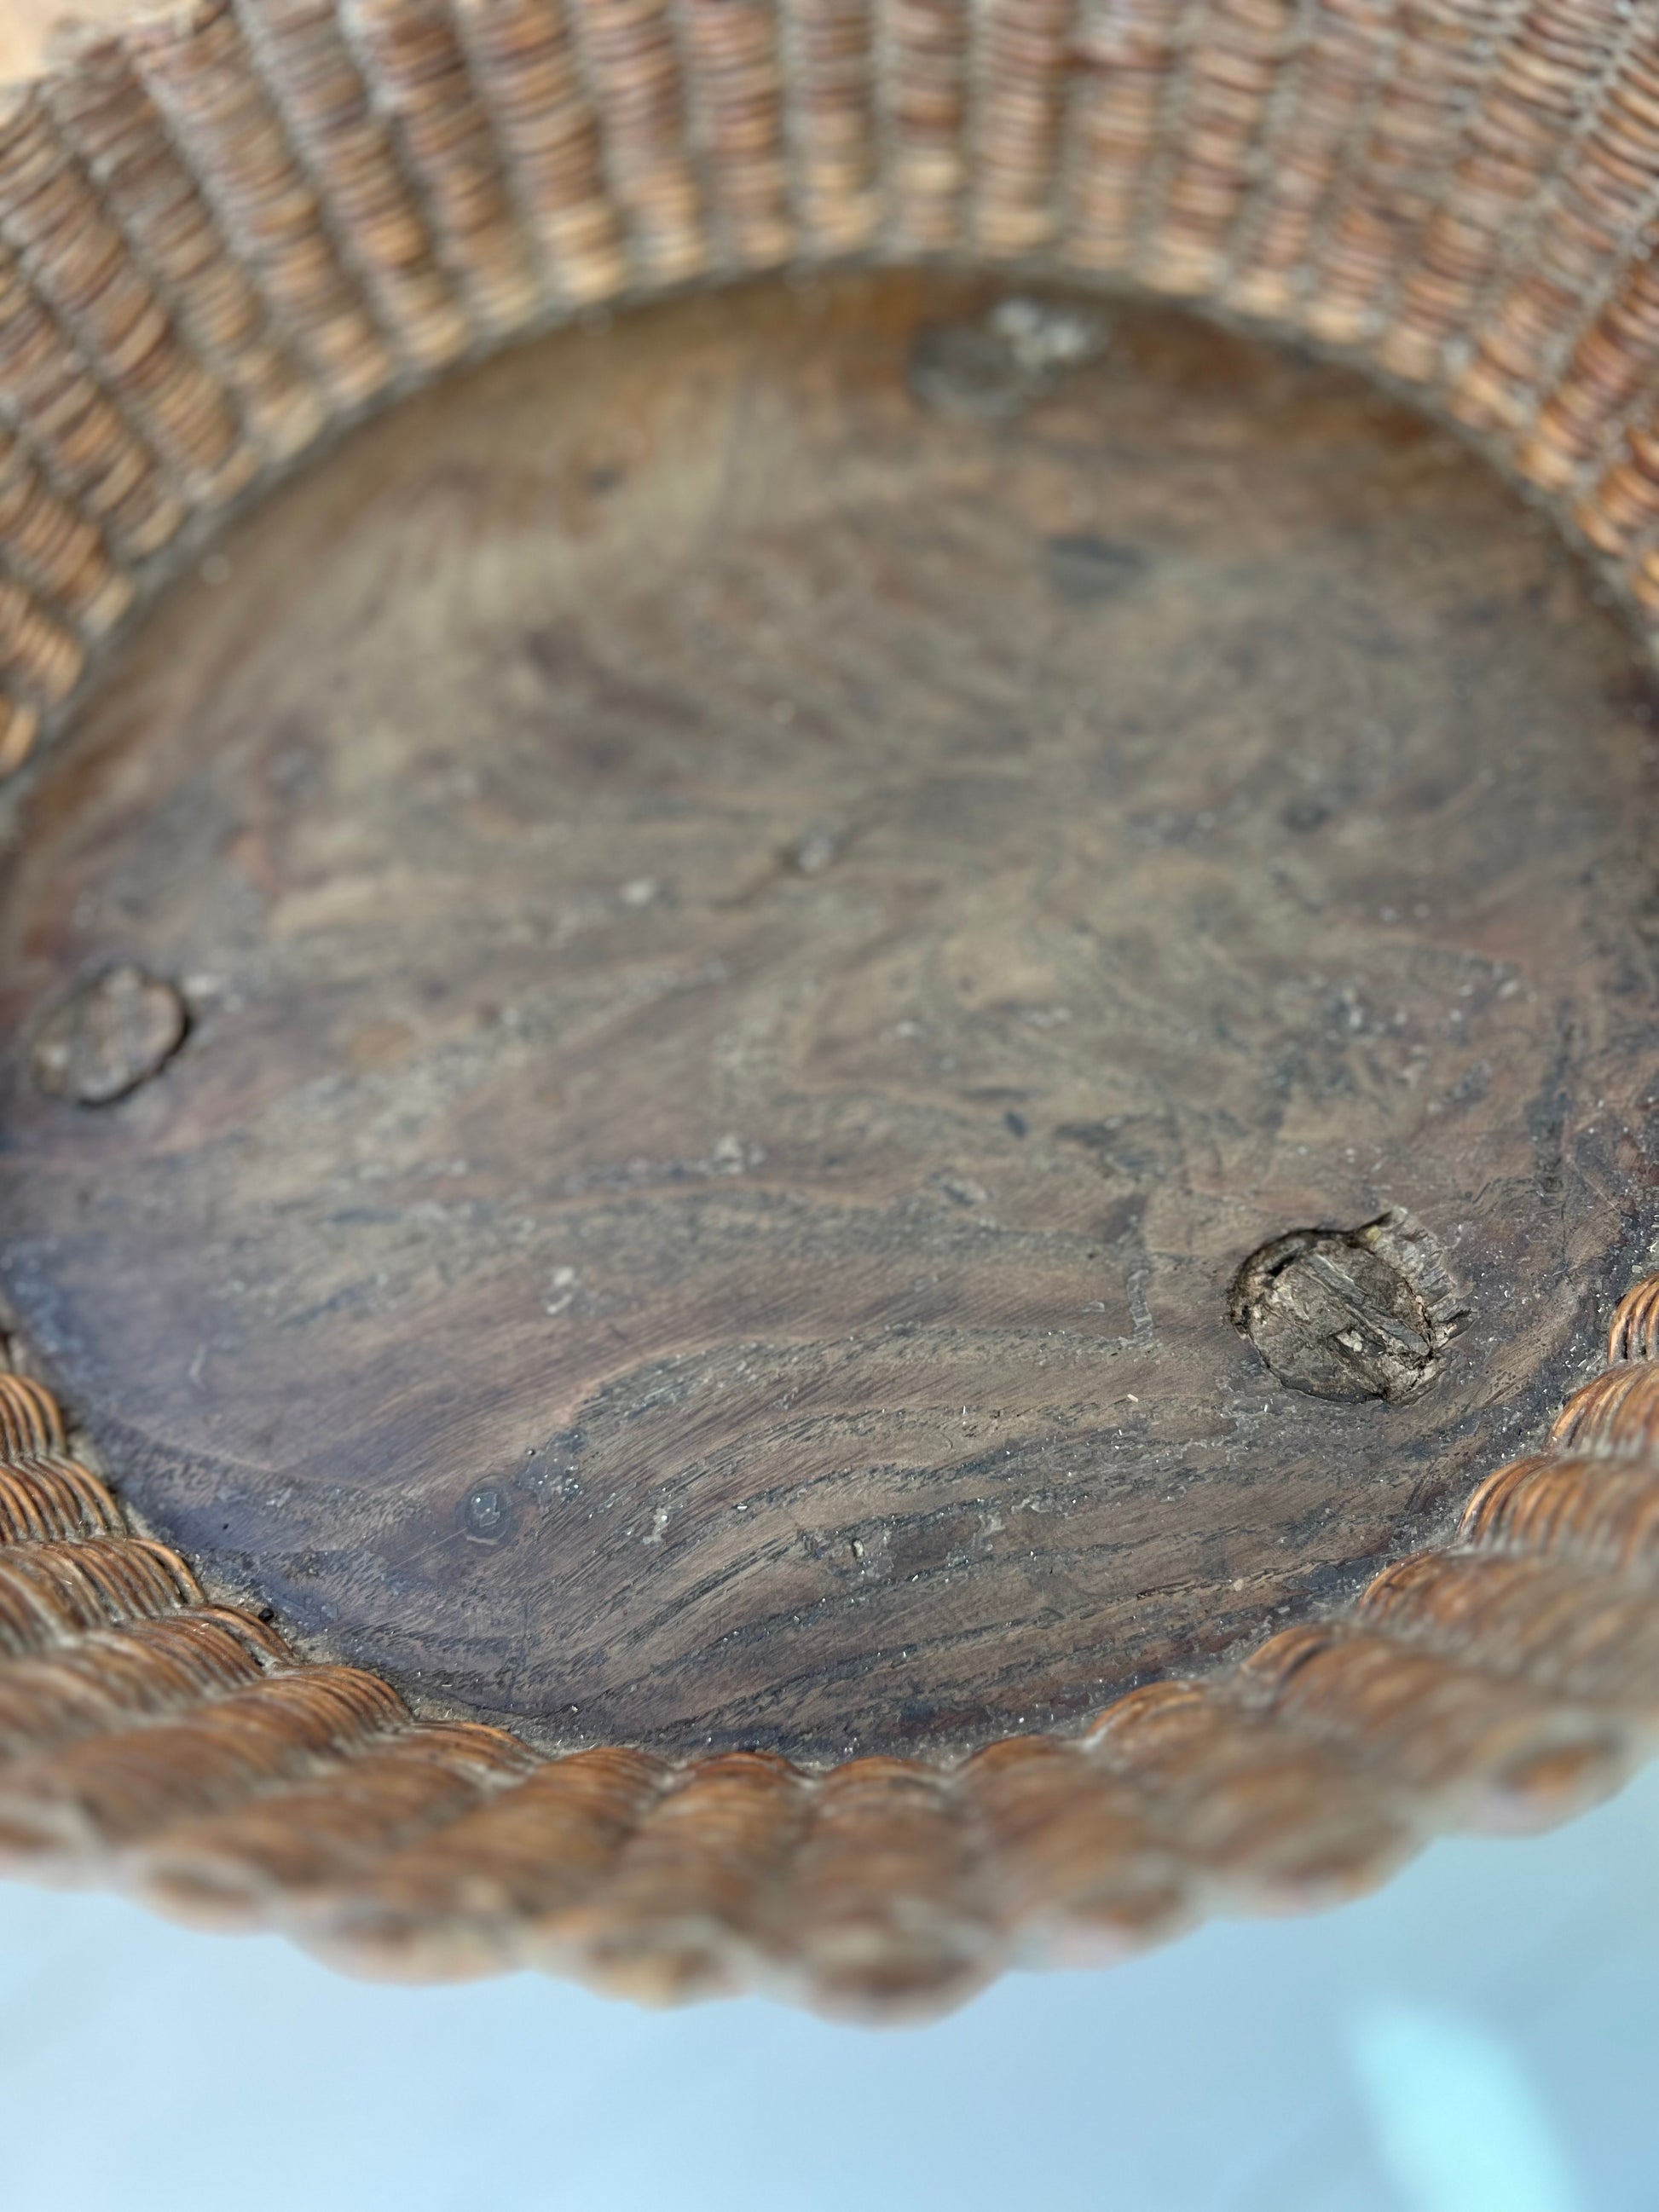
(775, 911)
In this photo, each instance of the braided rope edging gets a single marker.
(228, 227)
(183, 1751)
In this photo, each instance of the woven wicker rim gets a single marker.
(228, 231)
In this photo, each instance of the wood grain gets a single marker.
(760, 953)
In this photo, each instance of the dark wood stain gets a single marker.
(760, 953)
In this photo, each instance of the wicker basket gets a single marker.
(227, 232)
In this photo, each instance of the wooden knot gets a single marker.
(114, 1031)
(1347, 1314)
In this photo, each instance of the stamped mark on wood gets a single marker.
(1349, 1314)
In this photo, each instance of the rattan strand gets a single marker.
(183, 1751)
(225, 229)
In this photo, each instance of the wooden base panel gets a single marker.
(185, 1751)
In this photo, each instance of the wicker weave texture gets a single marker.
(226, 231)
(182, 1751)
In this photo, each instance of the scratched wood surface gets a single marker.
(836, 1017)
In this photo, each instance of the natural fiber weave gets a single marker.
(224, 232)
(224, 229)
(181, 1750)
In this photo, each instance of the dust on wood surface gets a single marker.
(764, 937)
